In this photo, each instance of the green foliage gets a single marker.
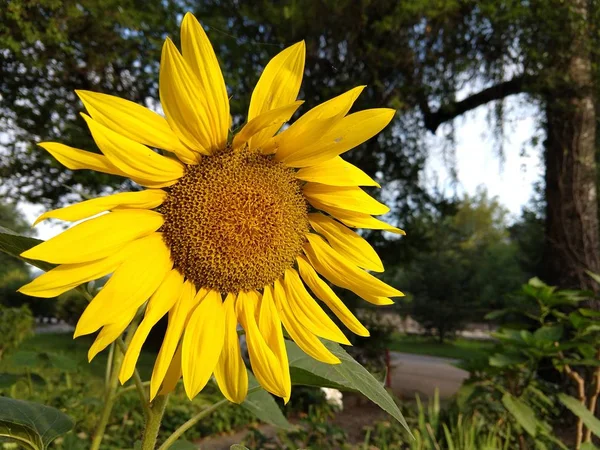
(50, 48)
(370, 351)
(15, 325)
(262, 405)
(466, 268)
(550, 334)
(348, 375)
(69, 306)
(579, 409)
(315, 431)
(528, 235)
(12, 219)
(437, 428)
(31, 425)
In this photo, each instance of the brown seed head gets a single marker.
(235, 221)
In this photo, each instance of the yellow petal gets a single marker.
(269, 325)
(159, 304)
(134, 122)
(182, 101)
(67, 276)
(201, 59)
(178, 317)
(343, 273)
(343, 197)
(311, 127)
(267, 120)
(307, 312)
(346, 134)
(327, 296)
(173, 374)
(230, 372)
(280, 81)
(109, 333)
(96, 238)
(75, 159)
(136, 279)
(136, 160)
(202, 343)
(359, 220)
(377, 300)
(336, 172)
(346, 242)
(265, 364)
(147, 199)
(307, 341)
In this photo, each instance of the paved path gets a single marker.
(421, 374)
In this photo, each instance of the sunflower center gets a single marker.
(235, 221)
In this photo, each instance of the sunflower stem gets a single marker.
(137, 380)
(109, 400)
(113, 383)
(139, 385)
(195, 419)
(190, 423)
(157, 409)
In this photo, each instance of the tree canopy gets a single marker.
(432, 60)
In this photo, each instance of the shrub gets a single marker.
(15, 325)
(554, 333)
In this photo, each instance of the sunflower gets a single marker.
(226, 231)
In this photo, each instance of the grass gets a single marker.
(459, 348)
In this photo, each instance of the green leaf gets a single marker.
(549, 333)
(498, 313)
(32, 425)
(589, 313)
(508, 334)
(61, 362)
(238, 447)
(589, 420)
(522, 413)
(262, 404)
(7, 380)
(505, 359)
(347, 375)
(536, 282)
(588, 446)
(25, 359)
(594, 276)
(15, 244)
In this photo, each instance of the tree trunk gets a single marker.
(572, 244)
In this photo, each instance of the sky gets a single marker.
(477, 163)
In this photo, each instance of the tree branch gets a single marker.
(452, 110)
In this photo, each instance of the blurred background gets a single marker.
(489, 166)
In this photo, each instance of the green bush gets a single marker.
(551, 346)
(15, 325)
(9, 297)
(69, 306)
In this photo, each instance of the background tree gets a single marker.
(467, 267)
(432, 60)
(420, 57)
(13, 220)
(49, 49)
(14, 273)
